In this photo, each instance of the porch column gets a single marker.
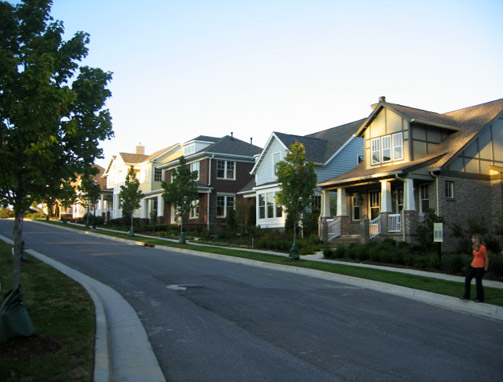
(409, 203)
(325, 203)
(342, 209)
(160, 206)
(385, 196)
(144, 208)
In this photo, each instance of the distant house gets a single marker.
(145, 169)
(416, 160)
(223, 166)
(333, 151)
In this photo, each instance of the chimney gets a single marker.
(232, 136)
(382, 99)
(251, 140)
(140, 149)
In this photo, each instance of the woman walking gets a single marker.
(478, 266)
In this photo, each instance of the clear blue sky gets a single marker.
(185, 68)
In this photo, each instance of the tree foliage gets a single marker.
(297, 180)
(52, 110)
(182, 191)
(130, 194)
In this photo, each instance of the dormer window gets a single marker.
(387, 148)
(189, 149)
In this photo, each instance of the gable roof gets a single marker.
(133, 158)
(232, 146)
(468, 122)
(158, 153)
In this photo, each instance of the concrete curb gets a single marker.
(122, 349)
(102, 359)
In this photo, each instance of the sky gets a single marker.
(211, 67)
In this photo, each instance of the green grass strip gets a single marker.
(63, 316)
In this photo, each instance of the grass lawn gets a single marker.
(62, 313)
(450, 288)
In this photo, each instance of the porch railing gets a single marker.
(375, 227)
(395, 223)
(333, 228)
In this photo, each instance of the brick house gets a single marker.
(416, 160)
(223, 166)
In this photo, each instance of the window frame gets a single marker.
(196, 166)
(157, 175)
(226, 198)
(449, 189)
(373, 149)
(386, 146)
(226, 169)
(395, 137)
(275, 162)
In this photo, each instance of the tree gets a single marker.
(52, 113)
(130, 196)
(181, 192)
(90, 193)
(297, 181)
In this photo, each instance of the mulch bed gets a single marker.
(16, 348)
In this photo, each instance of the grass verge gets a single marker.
(493, 296)
(62, 313)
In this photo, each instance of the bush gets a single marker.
(496, 264)
(6, 213)
(454, 264)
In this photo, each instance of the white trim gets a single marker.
(266, 148)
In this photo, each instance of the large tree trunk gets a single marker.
(18, 240)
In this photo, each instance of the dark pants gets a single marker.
(478, 273)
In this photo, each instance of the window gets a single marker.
(374, 204)
(157, 175)
(224, 202)
(449, 190)
(424, 201)
(355, 206)
(226, 169)
(397, 146)
(386, 148)
(195, 167)
(398, 200)
(360, 158)
(194, 210)
(268, 208)
(375, 146)
(261, 206)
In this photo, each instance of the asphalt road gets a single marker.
(211, 320)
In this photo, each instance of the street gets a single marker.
(211, 320)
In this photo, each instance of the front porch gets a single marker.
(372, 211)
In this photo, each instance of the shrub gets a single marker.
(454, 264)
(340, 251)
(496, 264)
(328, 253)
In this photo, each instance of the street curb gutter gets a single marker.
(102, 359)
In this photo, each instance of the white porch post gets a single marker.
(408, 193)
(160, 206)
(144, 208)
(385, 196)
(325, 203)
(342, 209)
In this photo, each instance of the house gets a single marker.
(223, 166)
(417, 160)
(333, 151)
(145, 169)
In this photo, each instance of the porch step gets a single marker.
(346, 239)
